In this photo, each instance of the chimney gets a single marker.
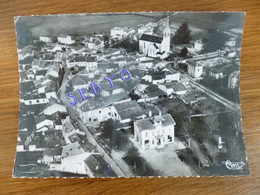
(150, 113)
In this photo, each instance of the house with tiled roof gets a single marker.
(65, 39)
(43, 122)
(34, 99)
(89, 62)
(195, 69)
(128, 111)
(154, 131)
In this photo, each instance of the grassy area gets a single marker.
(112, 137)
(138, 164)
(219, 86)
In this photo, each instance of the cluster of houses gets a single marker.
(38, 87)
(77, 155)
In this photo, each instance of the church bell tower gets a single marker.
(166, 36)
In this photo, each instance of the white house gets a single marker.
(97, 115)
(75, 159)
(167, 88)
(45, 39)
(41, 89)
(154, 132)
(215, 72)
(198, 45)
(50, 110)
(42, 121)
(174, 76)
(65, 39)
(72, 159)
(50, 94)
(233, 80)
(35, 99)
(173, 87)
(118, 32)
(194, 69)
(231, 42)
(89, 62)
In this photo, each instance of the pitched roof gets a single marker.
(96, 164)
(55, 108)
(130, 109)
(151, 38)
(27, 60)
(107, 65)
(177, 86)
(41, 118)
(41, 72)
(148, 123)
(72, 149)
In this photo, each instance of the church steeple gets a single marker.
(166, 36)
(167, 31)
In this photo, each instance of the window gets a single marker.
(146, 142)
(146, 134)
(163, 139)
(153, 142)
(99, 111)
(30, 102)
(37, 101)
(169, 138)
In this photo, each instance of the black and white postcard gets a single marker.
(130, 94)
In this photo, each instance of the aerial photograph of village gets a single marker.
(130, 94)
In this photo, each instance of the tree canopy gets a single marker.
(215, 40)
(182, 35)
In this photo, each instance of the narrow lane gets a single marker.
(207, 91)
(105, 154)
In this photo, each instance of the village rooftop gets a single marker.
(96, 88)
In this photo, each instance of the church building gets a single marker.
(156, 46)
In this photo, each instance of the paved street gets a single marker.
(207, 91)
(105, 154)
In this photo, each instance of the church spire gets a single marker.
(167, 30)
(167, 22)
(166, 36)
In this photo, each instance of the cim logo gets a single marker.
(233, 165)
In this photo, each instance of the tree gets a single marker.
(182, 35)
(215, 40)
(106, 41)
(184, 52)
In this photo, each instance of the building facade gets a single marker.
(194, 69)
(155, 46)
(154, 132)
